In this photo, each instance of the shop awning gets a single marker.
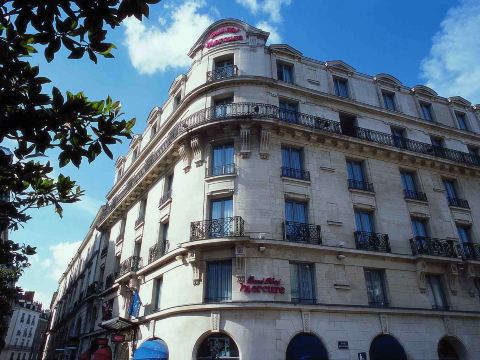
(152, 350)
(102, 354)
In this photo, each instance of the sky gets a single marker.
(435, 43)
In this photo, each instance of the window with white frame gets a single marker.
(285, 72)
(376, 287)
(341, 87)
(302, 282)
(389, 100)
(436, 292)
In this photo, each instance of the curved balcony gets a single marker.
(302, 233)
(422, 245)
(217, 228)
(132, 264)
(157, 251)
(471, 251)
(370, 241)
(225, 72)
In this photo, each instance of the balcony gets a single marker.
(132, 264)
(460, 203)
(295, 173)
(471, 251)
(414, 195)
(165, 198)
(110, 280)
(139, 221)
(434, 247)
(157, 251)
(302, 233)
(222, 73)
(370, 241)
(227, 169)
(217, 228)
(360, 185)
(94, 288)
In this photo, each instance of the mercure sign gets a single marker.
(211, 42)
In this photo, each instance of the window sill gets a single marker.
(165, 203)
(360, 191)
(416, 201)
(292, 179)
(139, 224)
(459, 208)
(220, 177)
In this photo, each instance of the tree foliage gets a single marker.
(34, 122)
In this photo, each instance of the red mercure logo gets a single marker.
(223, 30)
(265, 285)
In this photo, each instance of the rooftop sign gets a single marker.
(226, 39)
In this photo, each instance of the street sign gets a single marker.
(343, 345)
(362, 356)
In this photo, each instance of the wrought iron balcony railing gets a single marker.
(471, 251)
(458, 202)
(422, 245)
(222, 73)
(226, 169)
(165, 197)
(266, 111)
(302, 233)
(132, 264)
(295, 173)
(372, 241)
(94, 288)
(414, 195)
(217, 228)
(110, 280)
(360, 185)
(157, 251)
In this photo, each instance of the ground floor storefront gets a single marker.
(298, 334)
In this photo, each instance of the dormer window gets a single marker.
(462, 121)
(341, 87)
(135, 153)
(154, 129)
(177, 100)
(285, 72)
(426, 109)
(389, 100)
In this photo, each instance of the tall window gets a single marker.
(341, 86)
(221, 215)
(462, 121)
(419, 229)
(398, 135)
(176, 101)
(122, 229)
(389, 100)
(436, 292)
(288, 111)
(464, 233)
(164, 238)
(219, 281)
(296, 212)
(141, 211)
(157, 294)
(436, 142)
(137, 249)
(302, 281)
(292, 163)
(285, 72)
(426, 109)
(364, 222)
(376, 289)
(222, 107)
(410, 187)
(22, 319)
(356, 176)
(450, 189)
(223, 68)
(222, 160)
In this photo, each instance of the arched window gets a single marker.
(386, 347)
(306, 347)
(449, 348)
(218, 346)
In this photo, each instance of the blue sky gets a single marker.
(419, 42)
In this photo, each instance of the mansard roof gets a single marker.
(340, 66)
(285, 49)
(249, 30)
(386, 78)
(458, 100)
(424, 90)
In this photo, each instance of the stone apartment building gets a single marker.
(26, 329)
(281, 207)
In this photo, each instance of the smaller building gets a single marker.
(26, 329)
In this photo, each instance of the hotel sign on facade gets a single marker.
(218, 37)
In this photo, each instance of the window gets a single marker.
(167, 189)
(222, 107)
(176, 101)
(364, 222)
(389, 100)
(135, 153)
(462, 121)
(436, 142)
(223, 68)
(292, 163)
(436, 292)
(302, 281)
(28, 319)
(376, 289)
(141, 211)
(137, 249)
(399, 137)
(19, 332)
(157, 293)
(288, 111)
(122, 229)
(356, 176)
(285, 72)
(419, 229)
(222, 160)
(221, 216)
(464, 233)
(341, 86)
(219, 281)
(164, 238)
(426, 110)
(450, 189)
(410, 186)
(22, 319)
(154, 129)
(348, 124)
(296, 212)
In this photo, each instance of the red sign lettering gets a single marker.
(223, 30)
(265, 285)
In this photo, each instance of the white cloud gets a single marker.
(453, 66)
(274, 37)
(61, 254)
(157, 48)
(271, 8)
(88, 204)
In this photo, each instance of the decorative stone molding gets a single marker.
(245, 136)
(453, 278)
(215, 320)
(196, 145)
(265, 134)
(384, 323)
(240, 263)
(194, 261)
(306, 321)
(186, 155)
(421, 279)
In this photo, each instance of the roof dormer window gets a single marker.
(176, 101)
